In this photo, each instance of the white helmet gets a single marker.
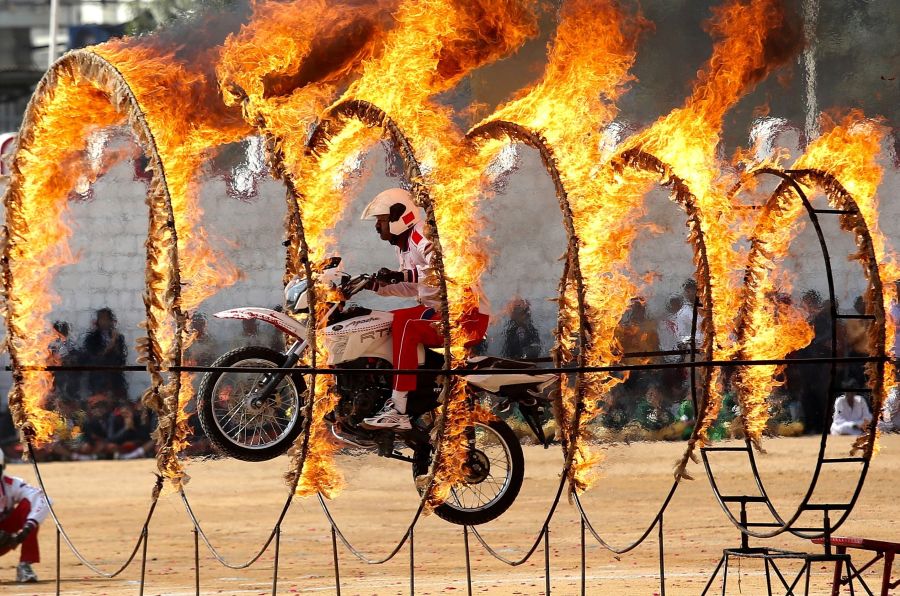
(2, 463)
(399, 205)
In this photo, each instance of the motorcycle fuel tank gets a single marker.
(360, 337)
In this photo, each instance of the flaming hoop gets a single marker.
(332, 122)
(85, 76)
(564, 413)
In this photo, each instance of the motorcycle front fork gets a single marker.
(270, 381)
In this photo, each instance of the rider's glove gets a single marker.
(22, 534)
(388, 277)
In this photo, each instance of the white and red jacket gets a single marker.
(15, 490)
(415, 263)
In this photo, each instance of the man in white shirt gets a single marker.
(684, 319)
(851, 415)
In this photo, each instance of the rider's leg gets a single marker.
(412, 327)
(415, 333)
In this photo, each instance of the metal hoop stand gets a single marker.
(845, 207)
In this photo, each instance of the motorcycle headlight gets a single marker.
(293, 290)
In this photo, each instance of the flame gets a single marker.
(282, 81)
(432, 46)
(752, 38)
(847, 151)
(46, 167)
(587, 70)
(188, 123)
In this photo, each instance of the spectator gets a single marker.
(130, 429)
(105, 346)
(64, 352)
(667, 330)
(809, 382)
(851, 415)
(97, 429)
(250, 335)
(636, 334)
(684, 319)
(856, 344)
(203, 349)
(672, 379)
(521, 339)
(890, 412)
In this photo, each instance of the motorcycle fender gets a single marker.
(279, 320)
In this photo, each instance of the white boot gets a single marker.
(391, 416)
(25, 574)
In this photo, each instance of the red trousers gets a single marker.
(31, 553)
(419, 325)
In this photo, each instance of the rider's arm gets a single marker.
(17, 490)
(402, 289)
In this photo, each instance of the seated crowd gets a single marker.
(98, 420)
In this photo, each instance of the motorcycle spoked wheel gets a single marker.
(496, 469)
(233, 425)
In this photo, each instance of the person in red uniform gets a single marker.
(399, 222)
(22, 509)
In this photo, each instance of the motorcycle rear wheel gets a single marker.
(488, 496)
(232, 425)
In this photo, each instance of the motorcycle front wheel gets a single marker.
(493, 472)
(239, 425)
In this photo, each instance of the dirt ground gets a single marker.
(102, 505)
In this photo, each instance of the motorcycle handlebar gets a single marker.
(356, 284)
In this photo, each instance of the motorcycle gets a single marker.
(256, 416)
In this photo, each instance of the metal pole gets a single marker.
(277, 554)
(412, 564)
(583, 562)
(662, 559)
(58, 564)
(143, 560)
(197, 561)
(54, 18)
(468, 562)
(547, 559)
(337, 570)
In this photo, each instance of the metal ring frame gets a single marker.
(373, 116)
(851, 220)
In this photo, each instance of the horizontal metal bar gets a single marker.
(825, 506)
(744, 449)
(461, 372)
(743, 499)
(834, 211)
(762, 525)
(857, 316)
(843, 460)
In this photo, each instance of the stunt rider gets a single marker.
(398, 221)
(22, 509)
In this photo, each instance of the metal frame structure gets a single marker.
(846, 208)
